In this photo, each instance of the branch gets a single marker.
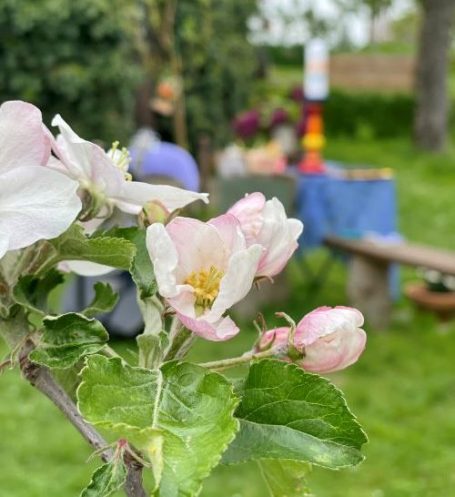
(41, 378)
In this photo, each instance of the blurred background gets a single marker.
(340, 108)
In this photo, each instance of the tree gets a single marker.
(204, 45)
(431, 84)
(70, 57)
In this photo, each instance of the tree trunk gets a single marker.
(430, 125)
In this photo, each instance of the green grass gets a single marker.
(402, 389)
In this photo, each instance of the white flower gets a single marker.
(35, 202)
(106, 174)
(203, 269)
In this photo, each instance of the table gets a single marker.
(351, 208)
(332, 204)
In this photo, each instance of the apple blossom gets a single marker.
(330, 339)
(265, 223)
(105, 175)
(35, 202)
(202, 269)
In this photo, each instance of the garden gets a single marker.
(197, 366)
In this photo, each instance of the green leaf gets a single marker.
(32, 292)
(285, 478)
(106, 480)
(15, 329)
(141, 268)
(181, 417)
(105, 300)
(67, 338)
(111, 251)
(286, 413)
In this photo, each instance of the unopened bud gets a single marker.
(153, 212)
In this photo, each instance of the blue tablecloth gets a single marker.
(345, 207)
(351, 208)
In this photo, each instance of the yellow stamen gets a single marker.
(206, 286)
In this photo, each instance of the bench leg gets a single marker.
(368, 290)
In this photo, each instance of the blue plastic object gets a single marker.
(166, 160)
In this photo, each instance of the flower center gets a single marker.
(121, 159)
(206, 286)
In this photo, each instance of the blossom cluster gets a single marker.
(202, 268)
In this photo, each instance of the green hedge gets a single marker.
(368, 115)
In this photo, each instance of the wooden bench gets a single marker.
(368, 276)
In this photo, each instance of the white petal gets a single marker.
(36, 203)
(86, 161)
(4, 243)
(237, 281)
(22, 137)
(134, 195)
(85, 268)
(164, 258)
(199, 246)
(279, 236)
(228, 227)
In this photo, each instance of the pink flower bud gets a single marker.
(330, 339)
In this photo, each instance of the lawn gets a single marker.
(402, 389)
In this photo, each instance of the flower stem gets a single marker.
(236, 361)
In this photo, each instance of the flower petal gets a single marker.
(219, 331)
(324, 321)
(86, 161)
(4, 243)
(248, 211)
(228, 227)
(279, 236)
(134, 195)
(334, 352)
(199, 246)
(164, 258)
(237, 281)
(85, 268)
(22, 137)
(36, 203)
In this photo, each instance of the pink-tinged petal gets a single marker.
(279, 237)
(335, 351)
(164, 259)
(23, 141)
(134, 195)
(237, 281)
(228, 227)
(279, 337)
(199, 246)
(84, 268)
(219, 331)
(248, 211)
(36, 203)
(86, 161)
(324, 321)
